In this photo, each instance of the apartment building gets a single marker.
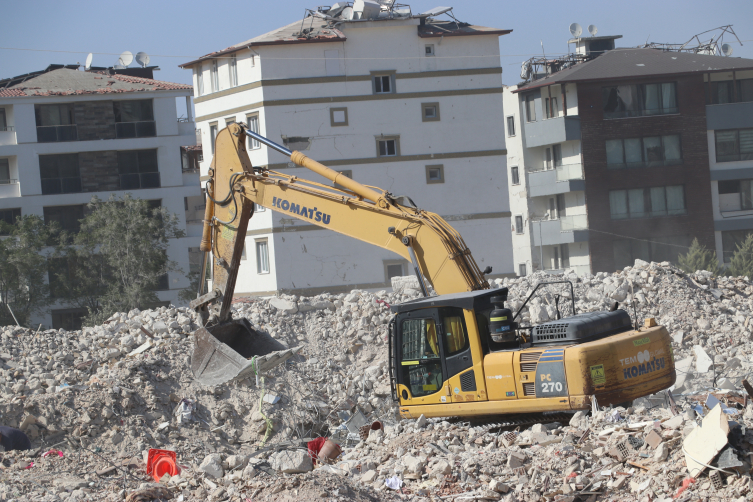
(67, 135)
(629, 153)
(394, 101)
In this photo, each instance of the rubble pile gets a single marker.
(94, 402)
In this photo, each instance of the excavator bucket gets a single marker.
(234, 351)
(228, 349)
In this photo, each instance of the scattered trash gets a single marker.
(184, 410)
(52, 452)
(161, 462)
(705, 442)
(393, 483)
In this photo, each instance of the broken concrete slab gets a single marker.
(702, 360)
(706, 441)
(291, 461)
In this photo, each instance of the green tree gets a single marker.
(23, 269)
(699, 258)
(742, 260)
(119, 258)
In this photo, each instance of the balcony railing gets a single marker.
(8, 182)
(144, 129)
(569, 172)
(7, 129)
(54, 134)
(141, 180)
(575, 222)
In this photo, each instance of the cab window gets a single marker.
(420, 362)
(454, 333)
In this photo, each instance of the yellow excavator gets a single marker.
(458, 353)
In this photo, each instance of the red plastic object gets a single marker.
(315, 447)
(685, 484)
(161, 462)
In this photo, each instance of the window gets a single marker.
(134, 119)
(519, 224)
(68, 217)
(4, 172)
(514, 174)
(383, 83)
(7, 219)
(522, 271)
(55, 123)
(626, 251)
(647, 202)
(262, 257)
(429, 49)
(722, 92)
(138, 169)
(338, 117)
(419, 341)
(233, 67)
(745, 90)
(229, 121)
(212, 136)
(561, 206)
(454, 334)
(731, 240)
(510, 126)
(252, 122)
(3, 122)
(639, 100)
(551, 108)
(253, 60)
(643, 152)
(214, 74)
(735, 195)
(435, 174)
(393, 269)
(59, 174)
(388, 147)
(735, 144)
(530, 109)
(200, 80)
(430, 112)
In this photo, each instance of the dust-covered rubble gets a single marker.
(104, 396)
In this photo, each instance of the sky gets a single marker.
(177, 32)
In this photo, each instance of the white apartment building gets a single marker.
(547, 190)
(407, 103)
(68, 135)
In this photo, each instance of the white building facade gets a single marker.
(545, 175)
(390, 102)
(68, 135)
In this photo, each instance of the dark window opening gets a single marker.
(733, 145)
(639, 100)
(138, 169)
(59, 174)
(8, 219)
(67, 217)
(55, 123)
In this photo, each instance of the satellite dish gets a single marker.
(575, 30)
(118, 67)
(727, 49)
(89, 62)
(142, 58)
(347, 13)
(126, 58)
(592, 29)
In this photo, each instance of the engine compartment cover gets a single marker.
(581, 328)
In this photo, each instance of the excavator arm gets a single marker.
(436, 250)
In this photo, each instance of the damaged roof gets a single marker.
(70, 82)
(436, 28)
(629, 63)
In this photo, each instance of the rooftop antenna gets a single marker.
(125, 59)
(592, 29)
(727, 49)
(89, 62)
(142, 58)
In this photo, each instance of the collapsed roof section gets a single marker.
(323, 25)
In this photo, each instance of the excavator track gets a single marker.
(498, 423)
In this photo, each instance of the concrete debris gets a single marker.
(104, 395)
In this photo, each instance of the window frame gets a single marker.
(213, 131)
(529, 104)
(48, 217)
(332, 111)
(259, 264)
(425, 106)
(385, 138)
(147, 130)
(522, 270)
(382, 75)
(429, 50)
(514, 175)
(5, 163)
(8, 218)
(142, 175)
(386, 264)
(253, 144)
(57, 166)
(510, 126)
(429, 168)
(3, 120)
(738, 155)
(648, 210)
(644, 161)
(200, 80)
(519, 228)
(638, 94)
(214, 76)
(233, 70)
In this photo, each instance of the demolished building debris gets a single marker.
(89, 395)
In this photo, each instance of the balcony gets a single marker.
(7, 136)
(729, 116)
(9, 188)
(55, 134)
(562, 179)
(562, 231)
(143, 129)
(552, 131)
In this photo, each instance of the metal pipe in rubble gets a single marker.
(301, 160)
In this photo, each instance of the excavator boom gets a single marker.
(437, 251)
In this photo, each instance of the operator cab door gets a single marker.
(432, 346)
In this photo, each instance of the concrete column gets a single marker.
(189, 113)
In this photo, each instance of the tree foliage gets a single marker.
(742, 260)
(119, 258)
(23, 270)
(699, 258)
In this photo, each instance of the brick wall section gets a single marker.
(693, 173)
(94, 120)
(99, 171)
